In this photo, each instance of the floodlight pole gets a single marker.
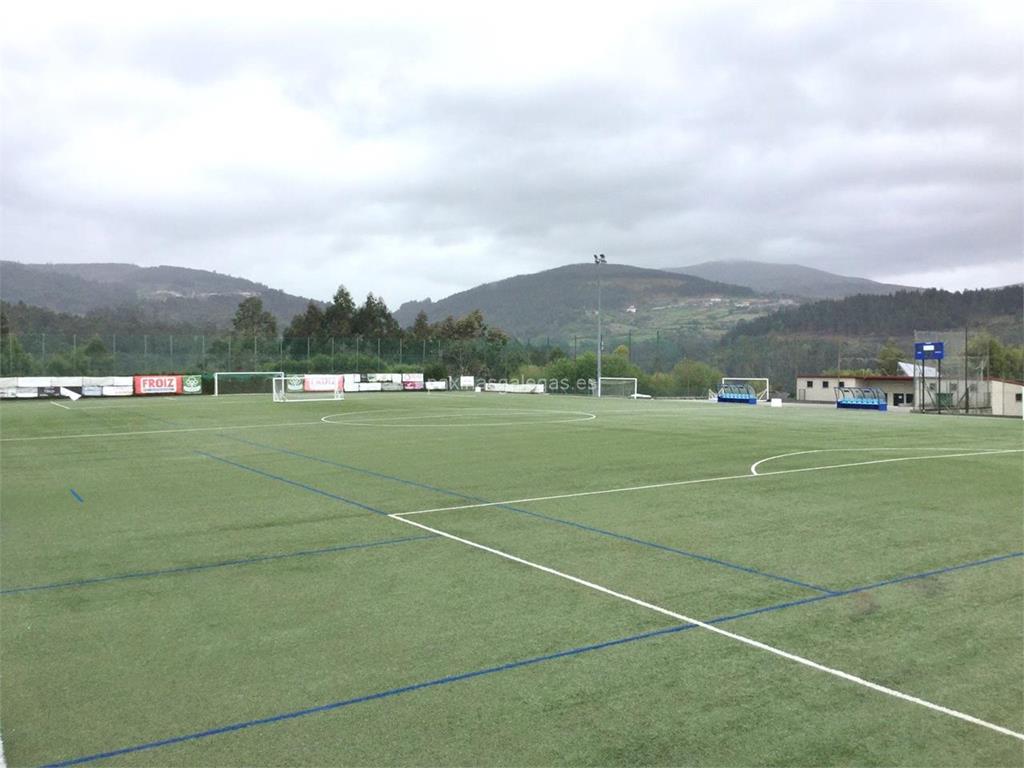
(598, 261)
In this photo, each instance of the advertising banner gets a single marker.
(117, 390)
(433, 386)
(323, 382)
(92, 390)
(412, 382)
(390, 386)
(192, 384)
(34, 381)
(169, 384)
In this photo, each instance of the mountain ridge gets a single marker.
(171, 294)
(551, 301)
(793, 280)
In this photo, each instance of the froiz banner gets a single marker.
(169, 384)
(314, 382)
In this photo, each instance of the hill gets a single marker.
(996, 310)
(170, 295)
(560, 302)
(788, 279)
(849, 333)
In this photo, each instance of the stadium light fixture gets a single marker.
(599, 259)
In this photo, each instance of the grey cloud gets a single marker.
(863, 137)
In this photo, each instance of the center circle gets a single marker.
(451, 418)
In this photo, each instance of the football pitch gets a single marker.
(479, 579)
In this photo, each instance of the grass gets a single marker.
(229, 589)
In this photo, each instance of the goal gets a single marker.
(310, 387)
(760, 386)
(616, 386)
(244, 382)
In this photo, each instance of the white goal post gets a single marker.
(309, 387)
(618, 386)
(243, 382)
(760, 385)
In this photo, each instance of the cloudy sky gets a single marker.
(419, 149)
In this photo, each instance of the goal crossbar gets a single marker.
(618, 386)
(305, 388)
(219, 375)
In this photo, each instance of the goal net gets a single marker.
(615, 386)
(759, 386)
(310, 387)
(244, 382)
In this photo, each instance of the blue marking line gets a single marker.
(219, 564)
(548, 518)
(513, 665)
(78, 498)
(297, 484)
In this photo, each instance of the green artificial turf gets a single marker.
(216, 581)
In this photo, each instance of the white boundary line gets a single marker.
(724, 633)
(161, 431)
(756, 464)
(675, 483)
(395, 421)
(60, 406)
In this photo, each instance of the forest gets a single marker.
(861, 333)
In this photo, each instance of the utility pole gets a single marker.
(599, 260)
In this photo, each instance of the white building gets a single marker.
(1006, 396)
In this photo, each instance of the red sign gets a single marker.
(169, 384)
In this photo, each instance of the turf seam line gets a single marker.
(579, 650)
(725, 633)
(581, 526)
(135, 433)
(209, 566)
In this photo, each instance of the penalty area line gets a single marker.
(723, 632)
(675, 483)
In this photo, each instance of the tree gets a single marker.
(14, 361)
(889, 357)
(339, 317)
(374, 319)
(98, 359)
(309, 323)
(1004, 362)
(421, 328)
(251, 320)
(696, 378)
